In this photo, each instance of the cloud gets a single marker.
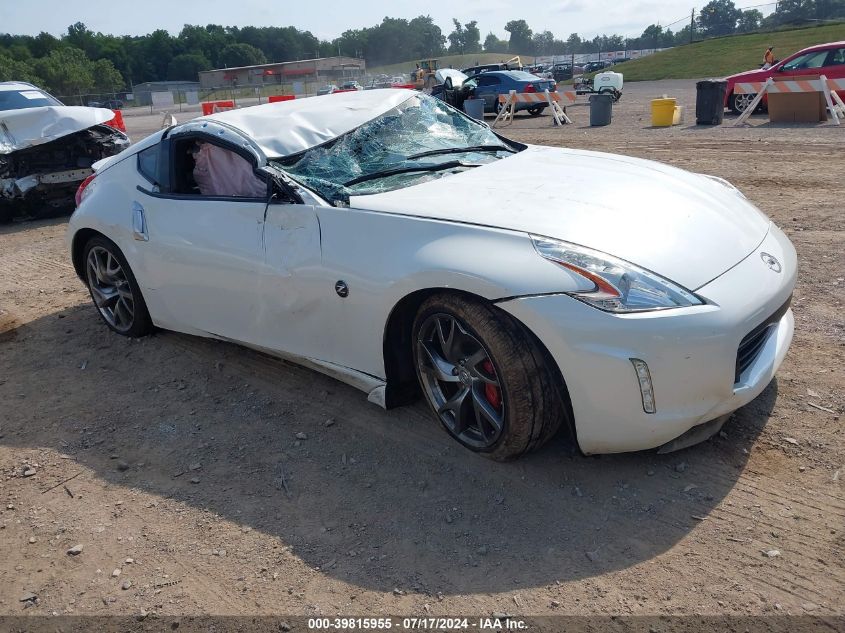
(568, 6)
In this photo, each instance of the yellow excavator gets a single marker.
(423, 75)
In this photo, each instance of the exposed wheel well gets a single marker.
(80, 239)
(402, 384)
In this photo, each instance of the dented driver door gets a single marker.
(294, 283)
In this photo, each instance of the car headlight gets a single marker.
(612, 284)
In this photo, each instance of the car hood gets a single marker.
(750, 75)
(34, 126)
(684, 226)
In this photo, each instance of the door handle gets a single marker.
(139, 223)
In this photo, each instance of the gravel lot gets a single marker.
(203, 478)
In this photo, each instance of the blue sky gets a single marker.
(327, 19)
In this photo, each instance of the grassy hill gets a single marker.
(447, 61)
(727, 55)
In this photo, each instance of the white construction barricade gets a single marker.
(552, 99)
(826, 86)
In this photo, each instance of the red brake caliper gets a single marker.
(492, 392)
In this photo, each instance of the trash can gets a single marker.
(475, 108)
(601, 109)
(710, 101)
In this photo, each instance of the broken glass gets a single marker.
(421, 139)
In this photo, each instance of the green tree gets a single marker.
(388, 41)
(652, 36)
(493, 44)
(42, 44)
(15, 70)
(429, 39)
(106, 77)
(187, 66)
(235, 55)
(749, 21)
(718, 17)
(465, 39)
(159, 47)
(80, 37)
(66, 71)
(794, 11)
(574, 43)
(353, 43)
(543, 43)
(520, 38)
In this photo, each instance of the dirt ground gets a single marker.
(202, 478)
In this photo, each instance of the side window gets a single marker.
(148, 163)
(837, 57)
(201, 168)
(487, 80)
(810, 60)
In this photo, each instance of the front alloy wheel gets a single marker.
(485, 376)
(459, 379)
(741, 102)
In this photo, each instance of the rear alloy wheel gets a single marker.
(114, 289)
(485, 377)
(536, 111)
(741, 102)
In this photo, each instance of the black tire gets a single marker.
(140, 323)
(732, 105)
(536, 111)
(737, 109)
(531, 394)
(498, 106)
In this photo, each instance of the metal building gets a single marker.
(328, 68)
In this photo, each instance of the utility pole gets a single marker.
(691, 24)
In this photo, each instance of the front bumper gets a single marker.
(691, 353)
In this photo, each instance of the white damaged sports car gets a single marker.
(392, 242)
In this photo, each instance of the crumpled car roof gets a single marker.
(34, 126)
(290, 127)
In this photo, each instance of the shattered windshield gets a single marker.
(421, 139)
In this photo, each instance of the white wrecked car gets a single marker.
(396, 244)
(47, 149)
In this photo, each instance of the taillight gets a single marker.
(530, 88)
(82, 185)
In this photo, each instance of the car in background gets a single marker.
(822, 59)
(490, 85)
(350, 85)
(47, 149)
(397, 244)
(111, 104)
(543, 72)
(593, 67)
(562, 72)
(512, 64)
